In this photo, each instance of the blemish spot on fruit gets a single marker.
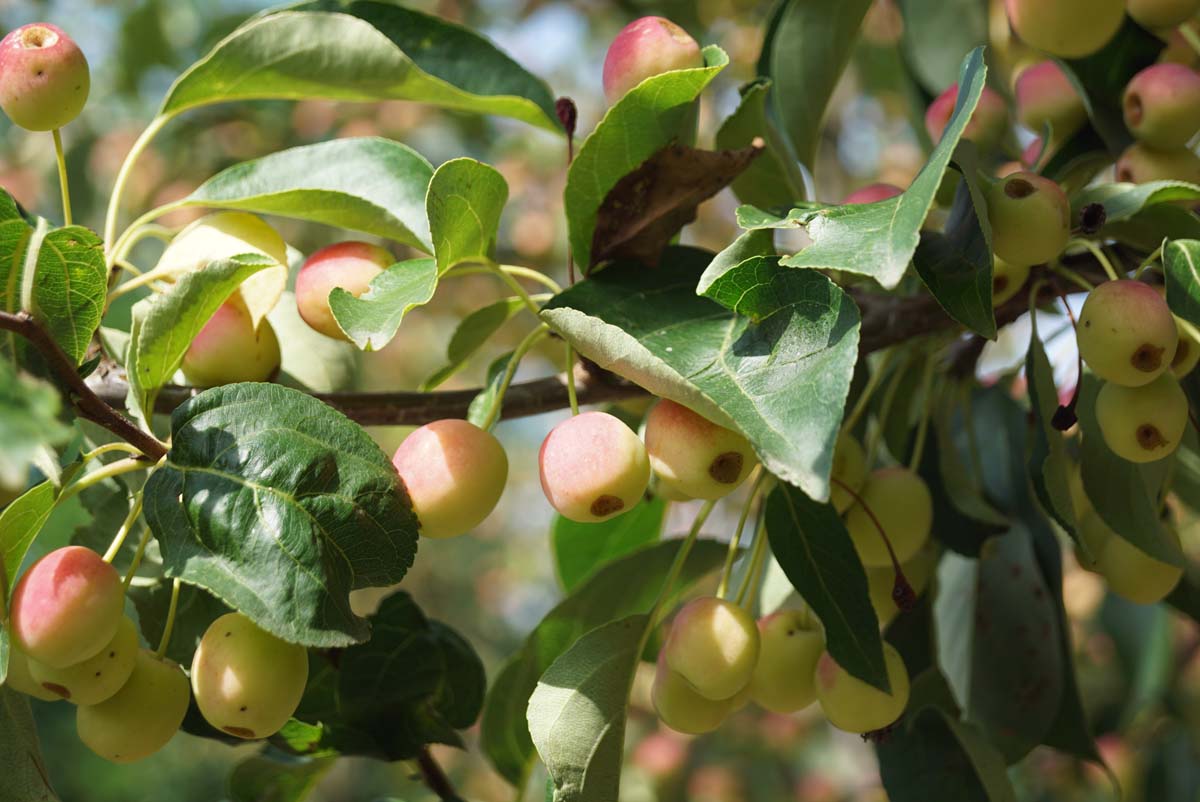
(242, 709)
(999, 284)
(1018, 188)
(57, 689)
(1149, 437)
(97, 674)
(240, 732)
(607, 505)
(726, 468)
(1147, 358)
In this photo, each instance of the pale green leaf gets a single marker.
(372, 319)
(464, 203)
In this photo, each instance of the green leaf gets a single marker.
(956, 265)
(649, 117)
(372, 319)
(999, 640)
(772, 179)
(782, 382)
(262, 779)
(28, 421)
(472, 333)
(879, 239)
(489, 396)
(581, 548)
(362, 51)
(933, 750)
(577, 713)
(21, 764)
(749, 245)
(806, 48)
(70, 287)
(1181, 266)
(1120, 490)
(626, 586)
(1126, 201)
(20, 523)
(1103, 76)
(366, 184)
(464, 203)
(1048, 465)
(937, 34)
(15, 233)
(813, 548)
(279, 506)
(165, 323)
(196, 610)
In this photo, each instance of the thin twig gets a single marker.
(435, 778)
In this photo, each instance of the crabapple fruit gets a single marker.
(693, 455)
(44, 78)
(1093, 534)
(222, 235)
(1162, 106)
(247, 682)
(872, 193)
(881, 581)
(1007, 280)
(344, 265)
(96, 678)
(1133, 574)
(681, 708)
(20, 680)
(987, 124)
(644, 48)
(1126, 333)
(1187, 352)
(1046, 97)
(849, 472)
(229, 349)
(139, 719)
(1160, 14)
(855, 706)
(593, 467)
(1030, 217)
(713, 644)
(788, 653)
(1066, 28)
(454, 473)
(899, 500)
(1140, 164)
(66, 607)
(1142, 424)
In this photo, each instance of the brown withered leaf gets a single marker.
(648, 206)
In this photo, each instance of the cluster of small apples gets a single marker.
(716, 659)
(71, 640)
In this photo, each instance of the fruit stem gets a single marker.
(1100, 255)
(135, 509)
(860, 404)
(114, 201)
(108, 448)
(149, 277)
(97, 476)
(748, 589)
(923, 427)
(1147, 262)
(1190, 36)
(531, 339)
(533, 275)
(885, 408)
(760, 476)
(137, 556)
(161, 651)
(435, 778)
(572, 394)
(901, 580)
(508, 278)
(681, 556)
(62, 176)
(1073, 277)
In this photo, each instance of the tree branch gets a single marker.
(85, 400)
(435, 778)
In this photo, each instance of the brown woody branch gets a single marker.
(86, 402)
(435, 778)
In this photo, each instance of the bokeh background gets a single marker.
(1139, 667)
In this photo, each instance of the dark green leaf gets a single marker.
(366, 184)
(279, 506)
(782, 382)
(482, 404)
(749, 245)
(772, 179)
(464, 203)
(362, 51)
(1048, 466)
(623, 587)
(28, 421)
(806, 48)
(581, 548)
(262, 779)
(648, 118)
(577, 712)
(472, 333)
(937, 34)
(372, 319)
(196, 610)
(20, 523)
(1181, 264)
(812, 546)
(21, 764)
(878, 239)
